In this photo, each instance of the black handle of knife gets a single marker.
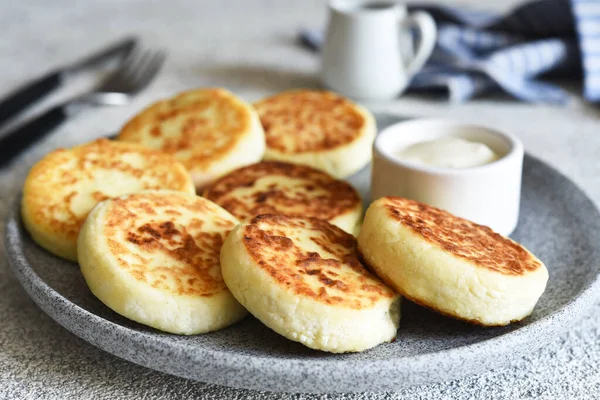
(17, 140)
(28, 94)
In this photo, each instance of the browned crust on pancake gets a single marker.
(317, 120)
(201, 140)
(477, 244)
(335, 197)
(197, 250)
(341, 279)
(43, 180)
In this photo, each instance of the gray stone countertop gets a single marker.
(248, 47)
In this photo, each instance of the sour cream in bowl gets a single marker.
(448, 152)
(471, 171)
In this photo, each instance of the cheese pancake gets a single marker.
(302, 278)
(317, 128)
(273, 187)
(449, 264)
(210, 131)
(66, 184)
(153, 257)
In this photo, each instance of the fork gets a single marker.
(134, 74)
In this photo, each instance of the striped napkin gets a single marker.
(479, 52)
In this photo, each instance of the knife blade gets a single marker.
(33, 91)
(121, 48)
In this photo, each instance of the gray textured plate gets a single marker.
(558, 223)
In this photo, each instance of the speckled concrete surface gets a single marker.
(248, 47)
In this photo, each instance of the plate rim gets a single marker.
(226, 368)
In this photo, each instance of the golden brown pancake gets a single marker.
(317, 128)
(210, 131)
(153, 257)
(273, 187)
(477, 244)
(277, 244)
(66, 184)
(302, 277)
(450, 264)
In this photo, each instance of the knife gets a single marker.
(41, 87)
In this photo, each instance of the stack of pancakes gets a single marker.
(275, 233)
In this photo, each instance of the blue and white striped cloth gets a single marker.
(478, 52)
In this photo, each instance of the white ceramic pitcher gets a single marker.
(368, 48)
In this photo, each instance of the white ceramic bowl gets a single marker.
(488, 194)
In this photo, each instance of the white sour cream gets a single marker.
(448, 152)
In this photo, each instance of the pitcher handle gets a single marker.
(427, 38)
